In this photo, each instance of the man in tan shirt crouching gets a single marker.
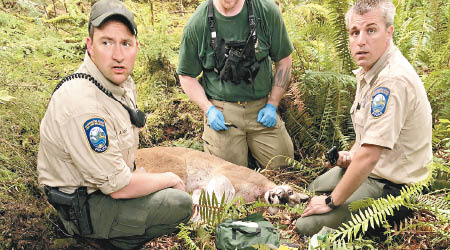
(392, 120)
(89, 136)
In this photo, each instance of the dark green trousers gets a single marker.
(130, 223)
(326, 183)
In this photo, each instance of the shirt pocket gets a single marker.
(125, 136)
(262, 49)
(357, 119)
(208, 59)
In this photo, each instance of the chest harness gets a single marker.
(137, 117)
(235, 60)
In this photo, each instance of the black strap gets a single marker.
(251, 20)
(257, 232)
(212, 23)
(386, 182)
(92, 79)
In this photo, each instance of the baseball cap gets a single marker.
(103, 9)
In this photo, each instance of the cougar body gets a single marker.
(197, 169)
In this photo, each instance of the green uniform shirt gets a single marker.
(196, 54)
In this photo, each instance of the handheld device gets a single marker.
(333, 155)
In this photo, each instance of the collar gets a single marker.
(95, 72)
(377, 67)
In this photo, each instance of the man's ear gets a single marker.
(390, 31)
(89, 45)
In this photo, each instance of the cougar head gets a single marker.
(284, 194)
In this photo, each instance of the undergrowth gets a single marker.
(42, 41)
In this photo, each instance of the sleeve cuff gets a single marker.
(379, 141)
(116, 181)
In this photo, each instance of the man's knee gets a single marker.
(308, 226)
(180, 205)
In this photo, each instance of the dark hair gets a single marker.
(111, 18)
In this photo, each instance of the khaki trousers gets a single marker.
(232, 145)
(325, 184)
(130, 223)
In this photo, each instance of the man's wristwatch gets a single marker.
(329, 202)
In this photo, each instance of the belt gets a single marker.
(242, 102)
(384, 181)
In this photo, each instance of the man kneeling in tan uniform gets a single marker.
(392, 120)
(89, 136)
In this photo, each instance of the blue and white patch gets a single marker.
(380, 100)
(95, 129)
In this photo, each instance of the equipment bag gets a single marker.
(246, 234)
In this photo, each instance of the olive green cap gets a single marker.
(103, 9)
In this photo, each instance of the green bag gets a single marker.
(246, 233)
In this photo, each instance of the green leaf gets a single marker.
(5, 97)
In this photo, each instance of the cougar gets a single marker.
(202, 171)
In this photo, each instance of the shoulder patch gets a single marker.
(380, 100)
(97, 136)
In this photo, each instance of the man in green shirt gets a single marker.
(232, 42)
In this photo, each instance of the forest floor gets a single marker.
(32, 226)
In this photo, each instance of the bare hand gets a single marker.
(317, 205)
(177, 181)
(345, 158)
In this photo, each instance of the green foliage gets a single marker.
(184, 235)
(211, 210)
(437, 85)
(376, 210)
(42, 41)
(339, 8)
(422, 33)
(312, 36)
(324, 119)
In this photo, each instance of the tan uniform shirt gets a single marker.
(391, 110)
(86, 137)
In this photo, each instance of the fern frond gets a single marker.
(211, 211)
(360, 204)
(185, 235)
(339, 9)
(324, 99)
(376, 213)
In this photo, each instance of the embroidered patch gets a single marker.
(96, 133)
(380, 99)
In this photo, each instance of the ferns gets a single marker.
(422, 33)
(340, 33)
(377, 210)
(211, 210)
(185, 235)
(324, 122)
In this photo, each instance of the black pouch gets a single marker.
(231, 70)
(137, 117)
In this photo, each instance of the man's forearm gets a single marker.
(195, 92)
(142, 184)
(282, 79)
(365, 159)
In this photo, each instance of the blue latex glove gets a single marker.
(215, 119)
(267, 116)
